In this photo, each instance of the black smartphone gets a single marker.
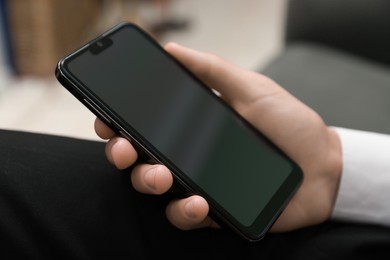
(129, 81)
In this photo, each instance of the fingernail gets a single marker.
(150, 179)
(189, 209)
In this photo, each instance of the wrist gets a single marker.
(323, 174)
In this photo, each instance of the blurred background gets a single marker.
(35, 34)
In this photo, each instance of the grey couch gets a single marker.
(337, 60)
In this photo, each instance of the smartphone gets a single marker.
(130, 82)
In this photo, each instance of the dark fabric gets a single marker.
(357, 26)
(60, 199)
(344, 89)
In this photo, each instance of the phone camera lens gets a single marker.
(100, 45)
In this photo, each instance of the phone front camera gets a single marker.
(100, 44)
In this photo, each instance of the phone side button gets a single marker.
(97, 112)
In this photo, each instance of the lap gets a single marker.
(60, 198)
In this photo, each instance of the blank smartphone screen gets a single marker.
(177, 117)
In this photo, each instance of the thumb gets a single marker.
(226, 78)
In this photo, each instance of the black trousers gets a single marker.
(61, 199)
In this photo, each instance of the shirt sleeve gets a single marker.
(364, 192)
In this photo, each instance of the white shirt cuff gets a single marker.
(364, 192)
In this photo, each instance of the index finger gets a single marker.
(102, 130)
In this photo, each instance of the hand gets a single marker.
(291, 125)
